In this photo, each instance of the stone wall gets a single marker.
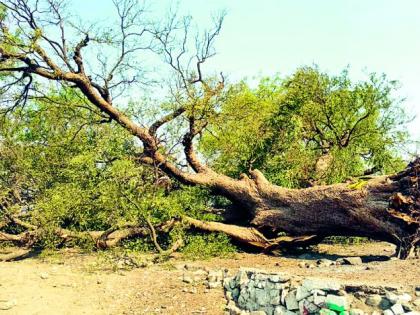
(258, 292)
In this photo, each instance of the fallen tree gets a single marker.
(385, 208)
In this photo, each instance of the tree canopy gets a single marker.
(309, 128)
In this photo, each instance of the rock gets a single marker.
(228, 295)
(319, 300)
(187, 279)
(283, 295)
(391, 297)
(199, 275)
(397, 309)
(404, 298)
(257, 313)
(261, 297)
(233, 309)
(325, 263)
(302, 264)
(307, 307)
(291, 302)
(327, 285)
(318, 292)
(408, 307)
(215, 276)
(44, 275)
(416, 302)
(213, 285)
(356, 311)
(388, 312)
(412, 313)
(373, 300)
(385, 304)
(302, 293)
(7, 305)
(417, 293)
(311, 266)
(336, 303)
(280, 310)
(241, 278)
(349, 261)
(326, 311)
(193, 290)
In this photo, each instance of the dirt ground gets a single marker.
(74, 283)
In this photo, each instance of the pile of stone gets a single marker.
(257, 292)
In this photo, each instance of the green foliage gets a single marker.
(308, 128)
(205, 246)
(78, 173)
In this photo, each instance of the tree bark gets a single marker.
(385, 208)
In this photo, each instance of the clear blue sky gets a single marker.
(276, 36)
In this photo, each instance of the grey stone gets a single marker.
(261, 297)
(229, 296)
(356, 311)
(275, 278)
(242, 278)
(291, 302)
(235, 293)
(215, 276)
(283, 295)
(187, 279)
(233, 309)
(302, 292)
(404, 298)
(211, 285)
(408, 307)
(261, 284)
(318, 292)
(242, 301)
(229, 283)
(340, 301)
(373, 300)
(350, 261)
(325, 263)
(397, 309)
(279, 277)
(44, 275)
(280, 310)
(391, 297)
(319, 300)
(321, 284)
(307, 307)
(385, 304)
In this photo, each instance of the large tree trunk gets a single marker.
(385, 208)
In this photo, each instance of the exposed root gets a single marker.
(252, 237)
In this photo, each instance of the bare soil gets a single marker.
(75, 283)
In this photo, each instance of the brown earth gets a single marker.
(75, 283)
